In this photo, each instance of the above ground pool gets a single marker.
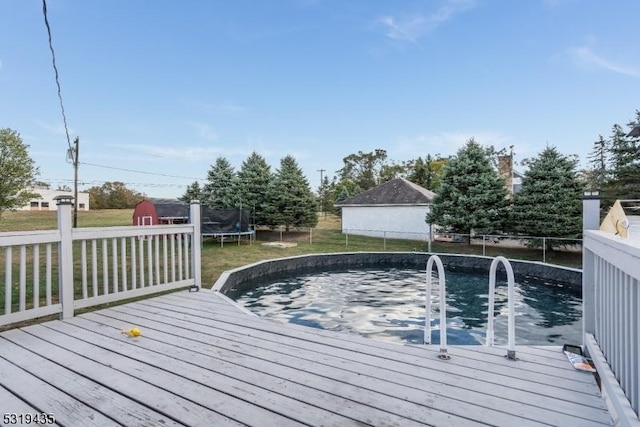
(389, 305)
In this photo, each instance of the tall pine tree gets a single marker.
(624, 182)
(290, 201)
(550, 201)
(597, 174)
(220, 190)
(194, 192)
(471, 195)
(253, 181)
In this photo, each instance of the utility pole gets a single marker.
(321, 190)
(73, 156)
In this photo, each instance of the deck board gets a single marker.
(203, 361)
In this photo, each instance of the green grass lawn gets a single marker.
(325, 237)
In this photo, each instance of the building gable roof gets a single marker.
(398, 191)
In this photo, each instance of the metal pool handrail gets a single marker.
(443, 306)
(511, 293)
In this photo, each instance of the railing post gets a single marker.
(196, 246)
(65, 255)
(590, 221)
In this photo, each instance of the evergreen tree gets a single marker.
(550, 201)
(290, 201)
(471, 196)
(624, 182)
(326, 196)
(341, 192)
(253, 181)
(220, 190)
(596, 176)
(194, 192)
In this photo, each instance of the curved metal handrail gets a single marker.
(443, 306)
(511, 293)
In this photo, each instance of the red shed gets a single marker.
(161, 211)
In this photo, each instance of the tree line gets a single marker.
(470, 196)
(283, 197)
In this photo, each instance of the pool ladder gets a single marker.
(490, 337)
(443, 306)
(511, 294)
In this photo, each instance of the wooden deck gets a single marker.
(202, 361)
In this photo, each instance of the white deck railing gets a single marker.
(59, 271)
(611, 316)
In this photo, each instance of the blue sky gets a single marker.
(165, 87)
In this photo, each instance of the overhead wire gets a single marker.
(55, 69)
(138, 171)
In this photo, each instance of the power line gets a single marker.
(55, 69)
(142, 172)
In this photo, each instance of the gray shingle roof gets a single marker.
(398, 191)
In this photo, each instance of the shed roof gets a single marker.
(398, 191)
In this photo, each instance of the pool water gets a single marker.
(388, 305)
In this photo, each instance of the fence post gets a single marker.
(384, 241)
(196, 245)
(544, 249)
(484, 251)
(346, 240)
(65, 255)
(590, 221)
(310, 236)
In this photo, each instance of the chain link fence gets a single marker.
(546, 249)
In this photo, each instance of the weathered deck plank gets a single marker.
(481, 389)
(202, 361)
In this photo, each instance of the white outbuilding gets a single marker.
(396, 209)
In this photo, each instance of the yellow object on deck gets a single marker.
(132, 332)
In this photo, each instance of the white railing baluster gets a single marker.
(94, 266)
(22, 304)
(173, 257)
(157, 258)
(185, 241)
(8, 285)
(134, 265)
(48, 267)
(83, 267)
(141, 262)
(165, 267)
(123, 262)
(490, 338)
(114, 264)
(150, 260)
(36, 275)
(105, 268)
(180, 271)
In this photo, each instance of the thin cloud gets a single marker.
(204, 131)
(412, 28)
(446, 143)
(185, 154)
(583, 55)
(55, 130)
